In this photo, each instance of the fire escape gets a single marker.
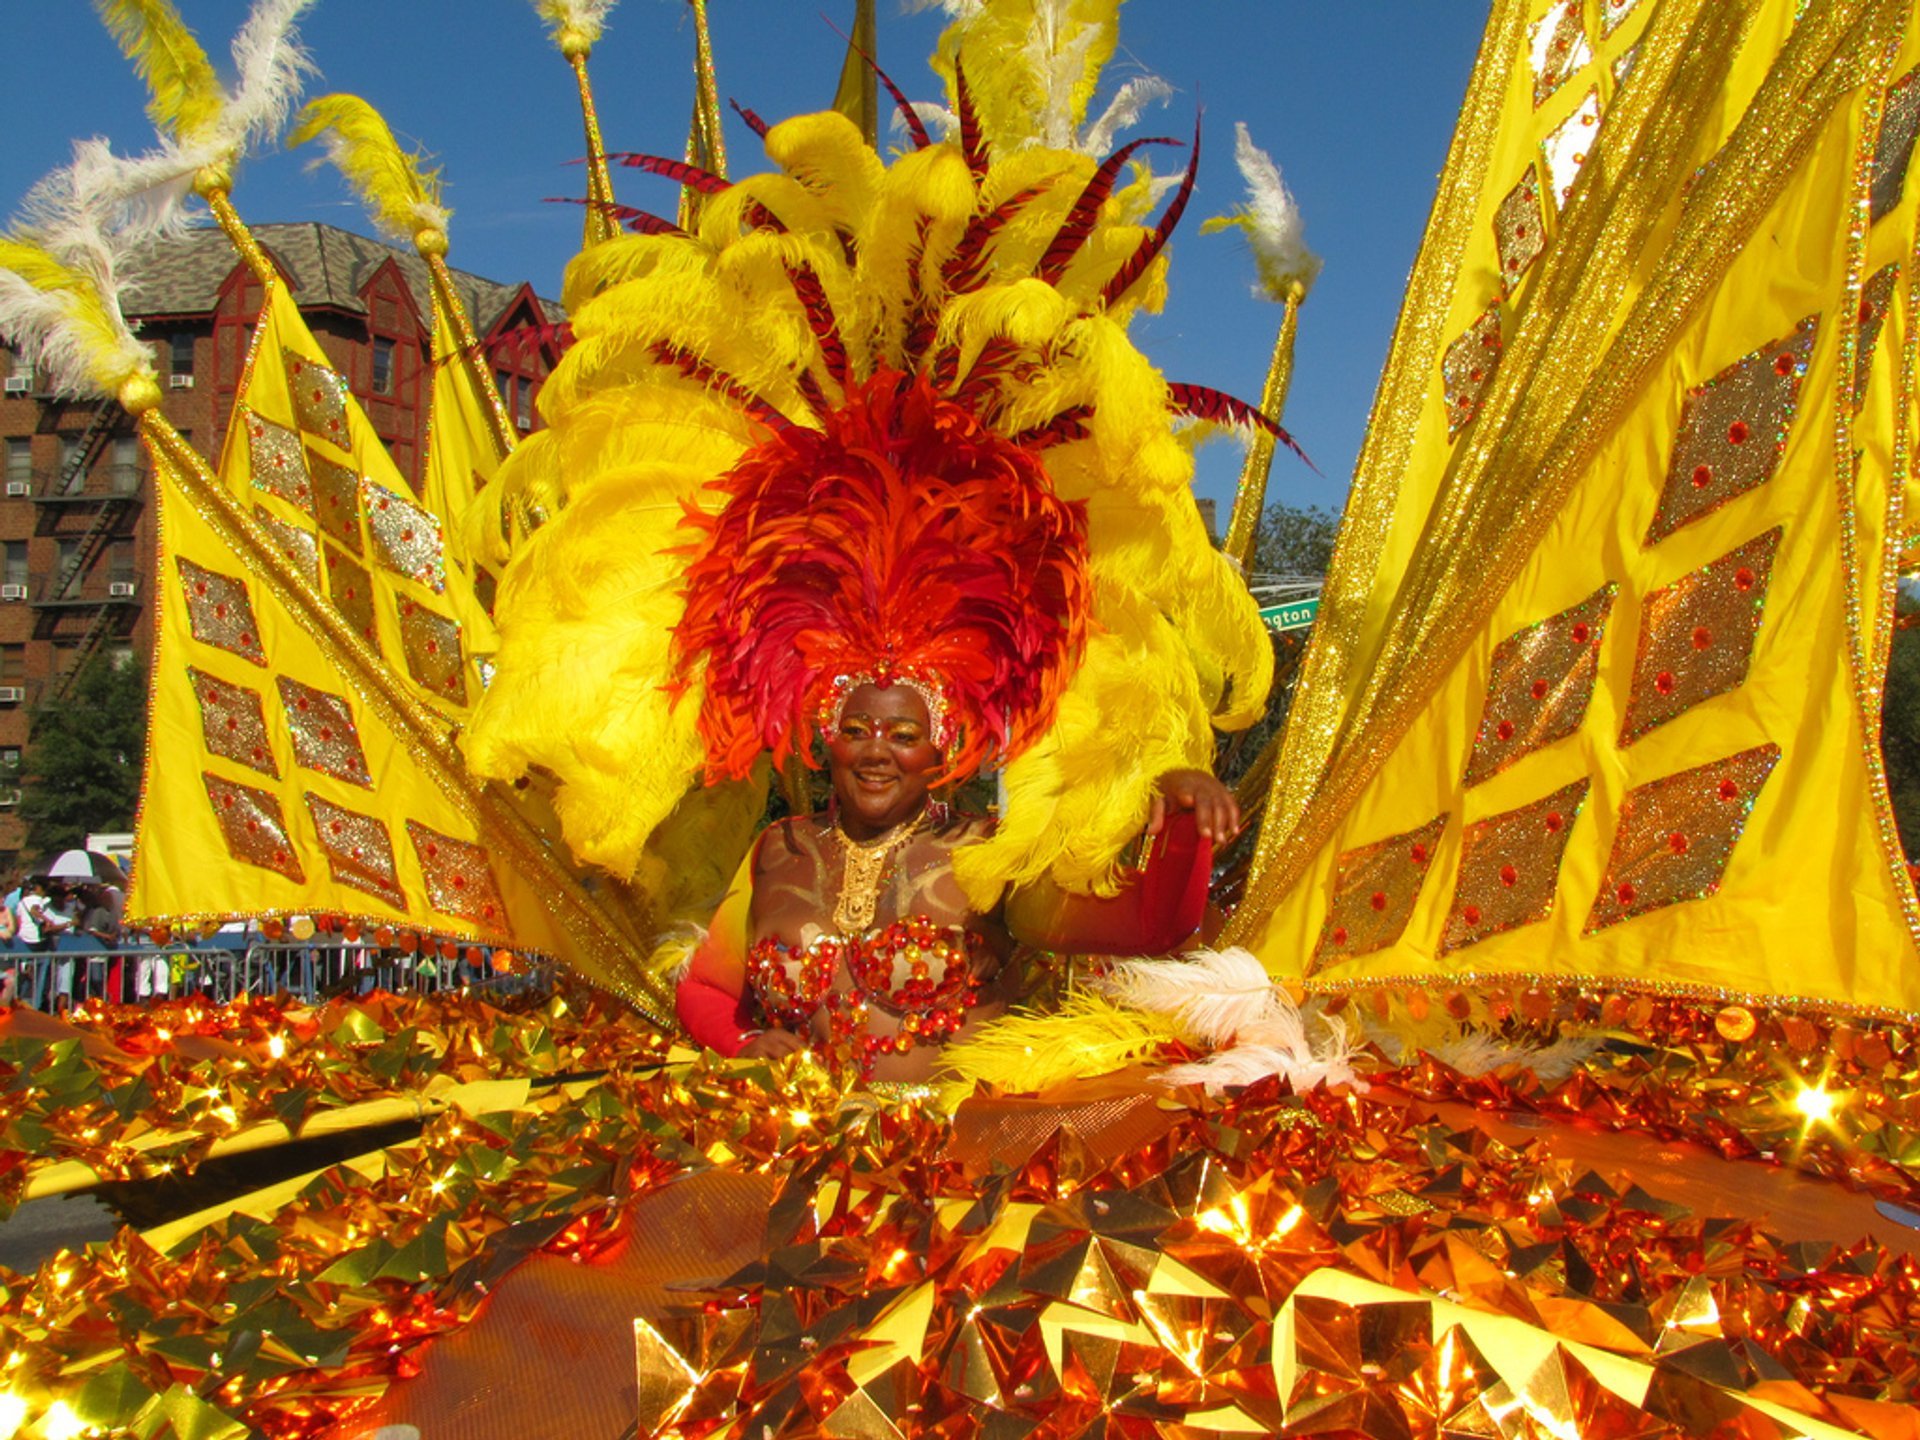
(107, 510)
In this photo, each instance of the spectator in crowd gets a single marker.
(101, 907)
(37, 926)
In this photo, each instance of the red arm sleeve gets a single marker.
(1158, 909)
(712, 1000)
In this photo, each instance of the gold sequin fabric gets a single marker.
(1876, 297)
(1467, 369)
(293, 541)
(324, 735)
(1893, 151)
(1557, 46)
(351, 589)
(1510, 868)
(219, 611)
(1733, 431)
(1566, 149)
(1374, 891)
(459, 879)
(253, 827)
(1539, 684)
(319, 399)
(336, 501)
(1677, 834)
(359, 850)
(406, 539)
(276, 458)
(432, 644)
(1519, 230)
(1697, 634)
(233, 722)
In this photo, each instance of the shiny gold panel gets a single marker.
(351, 589)
(1374, 889)
(336, 501)
(1467, 369)
(252, 825)
(324, 735)
(434, 656)
(1557, 47)
(1510, 868)
(276, 459)
(293, 541)
(1519, 230)
(319, 399)
(406, 539)
(233, 722)
(459, 880)
(219, 611)
(1893, 150)
(1876, 298)
(359, 850)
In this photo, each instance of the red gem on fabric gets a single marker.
(1509, 876)
(1504, 729)
(1470, 914)
(1580, 632)
(1702, 476)
(1743, 578)
(1737, 433)
(1702, 637)
(1663, 682)
(1729, 790)
(1677, 843)
(1866, 310)
(1539, 689)
(459, 882)
(1783, 364)
(1554, 821)
(1419, 853)
(1626, 894)
(1378, 900)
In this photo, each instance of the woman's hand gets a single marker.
(772, 1045)
(1215, 812)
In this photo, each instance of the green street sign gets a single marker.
(1295, 615)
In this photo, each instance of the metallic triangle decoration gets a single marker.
(325, 738)
(359, 850)
(1612, 12)
(1733, 431)
(1876, 298)
(406, 538)
(434, 655)
(276, 459)
(1510, 868)
(233, 722)
(351, 589)
(1374, 890)
(253, 827)
(1567, 148)
(293, 541)
(319, 399)
(1676, 835)
(1557, 47)
(1697, 634)
(219, 612)
(1893, 149)
(459, 880)
(1539, 684)
(336, 501)
(1519, 230)
(1467, 369)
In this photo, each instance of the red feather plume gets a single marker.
(1078, 225)
(1150, 248)
(819, 311)
(963, 267)
(712, 376)
(1206, 403)
(678, 171)
(973, 144)
(754, 122)
(642, 222)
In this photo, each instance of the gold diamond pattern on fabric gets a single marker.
(1612, 12)
(1374, 890)
(1566, 149)
(319, 399)
(295, 542)
(276, 457)
(324, 735)
(1893, 150)
(459, 879)
(359, 850)
(1538, 685)
(1696, 636)
(1876, 298)
(1733, 431)
(233, 722)
(351, 589)
(1676, 835)
(336, 501)
(1467, 369)
(406, 539)
(1557, 47)
(1519, 230)
(251, 824)
(434, 657)
(1510, 868)
(219, 611)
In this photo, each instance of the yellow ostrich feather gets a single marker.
(187, 97)
(403, 197)
(1032, 1051)
(60, 312)
(575, 25)
(1032, 65)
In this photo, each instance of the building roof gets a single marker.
(327, 265)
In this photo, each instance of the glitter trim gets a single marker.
(233, 723)
(359, 850)
(1893, 147)
(434, 654)
(336, 501)
(406, 539)
(219, 612)
(1468, 367)
(276, 459)
(1556, 48)
(1539, 684)
(1510, 868)
(324, 735)
(350, 588)
(1519, 231)
(1876, 298)
(293, 541)
(253, 827)
(319, 399)
(459, 879)
(1565, 150)
(1374, 891)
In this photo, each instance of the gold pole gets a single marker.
(600, 224)
(1250, 500)
(241, 238)
(706, 145)
(432, 246)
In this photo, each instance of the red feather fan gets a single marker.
(1150, 247)
(1078, 225)
(1206, 403)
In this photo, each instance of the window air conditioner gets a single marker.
(19, 384)
(120, 589)
(12, 694)
(180, 382)
(13, 592)
(19, 487)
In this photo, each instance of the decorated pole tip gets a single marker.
(138, 394)
(430, 241)
(574, 43)
(214, 179)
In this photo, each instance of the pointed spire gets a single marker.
(858, 95)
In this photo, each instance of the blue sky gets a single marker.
(1355, 102)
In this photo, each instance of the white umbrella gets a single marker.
(85, 865)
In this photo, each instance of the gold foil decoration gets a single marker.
(459, 880)
(1733, 430)
(1676, 835)
(233, 722)
(1893, 149)
(406, 539)
(359, 850)
(251, 823)
(1538, 685)
(1697, 634)
(324, 735)
(1566, 149)
(1735, 1023)
(336, 501)
(1467, 369)
(1557, 47)
(293, 541)
(275, 457)
(1612, 12)
(1374, 890)
(1876, 298)
(319, 399)
(351, 589)
(1519, 231)
(219, 611)
(434, 655)
(1510, 868)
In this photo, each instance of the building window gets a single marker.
(382, 365)
(523, 405)
(9, 759)
(181, 346)
(120, 562)
(19, 460)
(125, 477)
(65, 552)
(120, 656)
(13, 563)
(13, 664)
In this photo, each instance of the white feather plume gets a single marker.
(270, 67)
(1210, 995)
(1124, 111)
(939, 120)
(1276, 233)
(585, 19)
(1276, 1047)
(1475, 1052)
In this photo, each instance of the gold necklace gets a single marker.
(863, 869)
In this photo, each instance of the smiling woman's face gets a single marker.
(880, 757)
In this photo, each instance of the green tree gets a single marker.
(81, 771)
(1294, 540)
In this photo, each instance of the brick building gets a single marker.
(76, 518)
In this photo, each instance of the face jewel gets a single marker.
(1557, 46)
(1538, 685)
(250, 821)
(219, 611)
(434, 656)
(319, 399)
(1876, 297)
(1733, 431)
(1676, 835)
(406, 539)
(324, 735)
(1567, 148)
(336, 500)
(359, 850)
(1519, 231)
(352, 591)
(1612, 12)
(1899, 122)
(1374, 890)
(277, 461)
(459, 880)
(1510, 868)
(297, 544)
(1696, 636)
(1467, 369)
(233, 722)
